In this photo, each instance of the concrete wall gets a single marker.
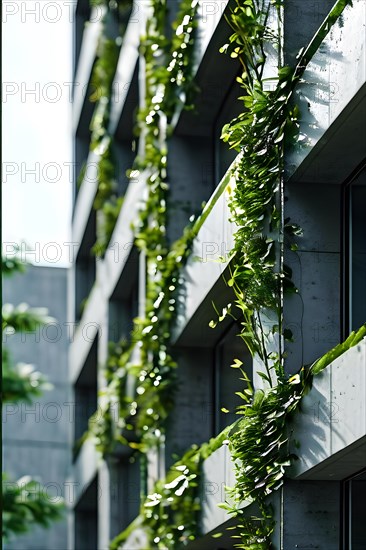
(310, 517)
(331, 429)
(191, 180)
(301, 21)
(191, 420)
(313, 315)
(331, 93)
(37, 437)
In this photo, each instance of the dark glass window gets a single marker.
(86, 395)
(354, 251)
(86, 518)
(358, 252)
(123, 304)
(231, 108)
(355, 512)
(227, 379)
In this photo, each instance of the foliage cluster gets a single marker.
(260, 444)
(169, 516)
(107, 201)
(146, 365)
(24, 505)
(260, 440)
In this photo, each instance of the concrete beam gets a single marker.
(331, 428)
(331, 97)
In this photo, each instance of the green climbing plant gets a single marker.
(260, 440)
(260, 444)
(169, 515)
(168, 75)
(108, 201)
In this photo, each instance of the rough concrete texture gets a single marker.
(37, 437)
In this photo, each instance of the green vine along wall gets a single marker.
(141, 374)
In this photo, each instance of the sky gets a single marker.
(37, 146)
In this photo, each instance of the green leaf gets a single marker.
(236, 364)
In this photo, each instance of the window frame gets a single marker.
(217, 375)
(346, 252)
(346, 510)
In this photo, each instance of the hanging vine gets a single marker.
(170, 514)
(260, 443)
(151, 370)
(107, 201)
(260, 440)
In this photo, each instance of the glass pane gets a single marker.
(228, 379)
(229, 110)
(358, 512)
(358, 251)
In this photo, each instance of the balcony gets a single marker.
(88, 52)
(203, 273)
(331, 428)
(331, 97)
(84, 470)
(124, 88)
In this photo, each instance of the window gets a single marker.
(230, 109)
(227, 379)
(124, 476)
(123, 304)
(355, 250)
(86, 518)
(354, 520)
(85, 391)
(85, 267)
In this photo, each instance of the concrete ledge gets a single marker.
(331, 429)
(209, 15)
(86, 61)
(86, 332)
(126, 67)
(205, 265)
(331, 85)
(84, 470)
(109, 271)
(84, 201)
(213, 71)
(217, 473)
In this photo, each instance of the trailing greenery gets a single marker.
(23, 318)
(20, 382)
(170, 514)
(101, 83)
(147, 363)
(141, 373)
(353, 339)
(107, 201)
(24, 503)
(260, 451)
(11, 265)
(260, 444)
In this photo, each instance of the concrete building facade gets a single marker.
(320, 504)
(37, 435)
